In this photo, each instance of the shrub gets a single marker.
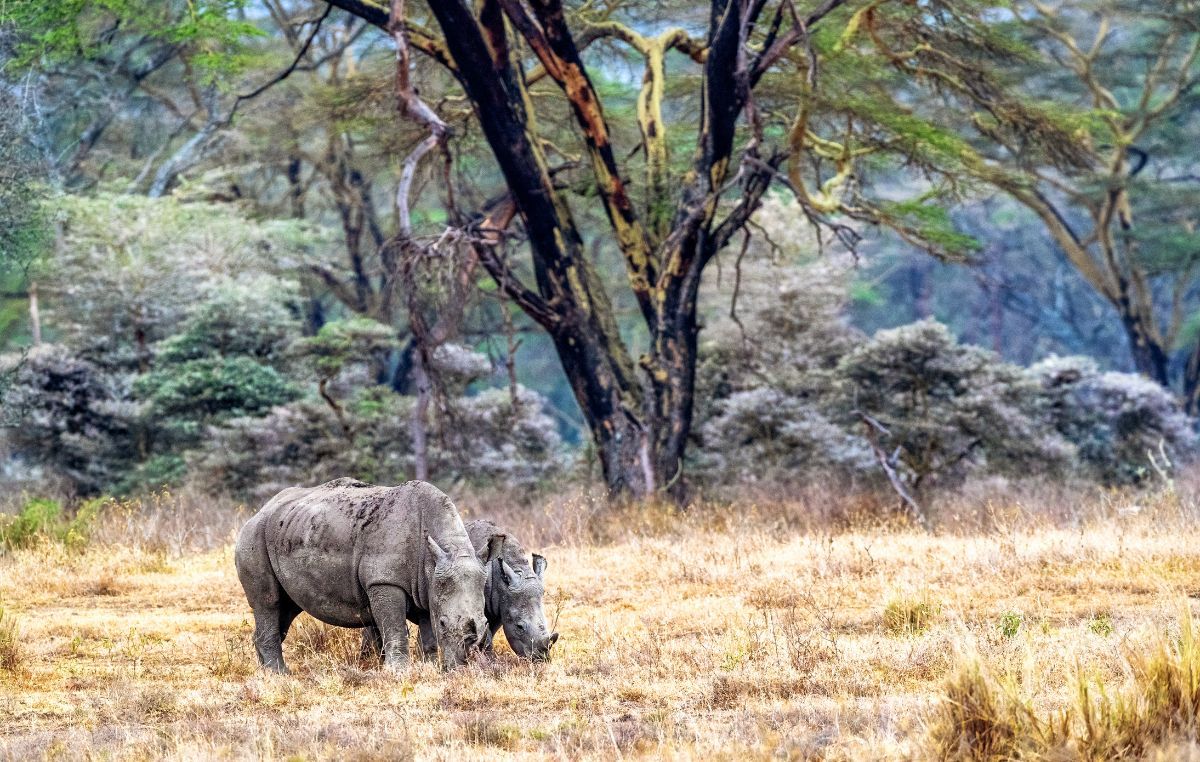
(981, 719)
(248, 318)
(185, 396)
(763, 389)
(11, 654)
(765, 434)
(478, 438)
(73, 417)
(1117, 421)
(948, 408)
(909, 616)
(1010, 624)
(41, 520)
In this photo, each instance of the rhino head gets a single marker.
(523, 619)
(456, 600)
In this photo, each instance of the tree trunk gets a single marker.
(420, 417)
(35, 318)
(1191, 383)
(618, 426)
(1149, 356)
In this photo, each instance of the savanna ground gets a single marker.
(790, 630)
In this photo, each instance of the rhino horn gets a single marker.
(439, 555)
(510, 574)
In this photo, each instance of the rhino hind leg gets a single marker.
(372, 644)
(273, 609)
(271, 624)
(389, 609)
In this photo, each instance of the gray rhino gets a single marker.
(513, 596)
(357, 555)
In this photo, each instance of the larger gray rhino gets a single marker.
(357, 555)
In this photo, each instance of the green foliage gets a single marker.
(214, 31)
(112, 290)
(23, 223)
(157, 472)
(41, 520)
(343, 342)
(189, 394)
(251, 319)
(1010, 624)
(931, 224)
(1101, 624)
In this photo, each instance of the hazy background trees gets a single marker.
(922, 210)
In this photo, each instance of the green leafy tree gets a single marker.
(1083, 113)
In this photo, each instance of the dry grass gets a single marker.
(726, 633)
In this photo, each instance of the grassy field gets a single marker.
(687, 637)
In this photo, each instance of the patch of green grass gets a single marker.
(1010, 623)
(1101, 624)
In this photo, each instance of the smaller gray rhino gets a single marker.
(513, 595)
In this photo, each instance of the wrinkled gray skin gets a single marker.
(356, 555)
(513, 595)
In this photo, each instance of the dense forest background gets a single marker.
(250, 244)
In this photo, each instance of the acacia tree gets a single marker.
(1111, 170)
(753, 56)
(1120, 220)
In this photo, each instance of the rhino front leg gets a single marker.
(429, 645)
(389, 609)
(372, 644)
(489, 637)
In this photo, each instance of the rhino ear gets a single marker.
(539, 565)
(494, 547)
(510, 574)
(439, 555)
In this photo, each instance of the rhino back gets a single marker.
(328, 544)
(481, 530)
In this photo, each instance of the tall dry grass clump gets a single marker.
(1162, 704)
(981, 717)
(10, 643)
